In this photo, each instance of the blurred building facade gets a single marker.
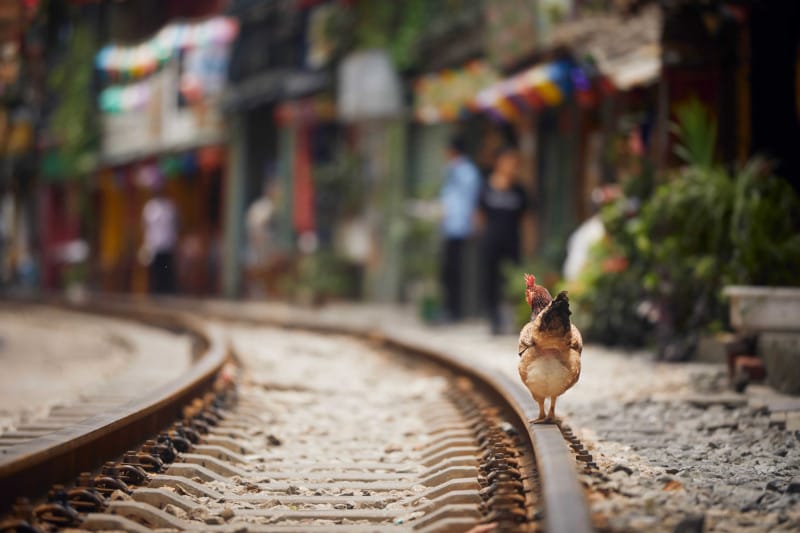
(23, 40)
(329, 119)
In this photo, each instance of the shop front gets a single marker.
(163, 134)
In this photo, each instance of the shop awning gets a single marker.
(440, 97)
(444, 96)
(640, 68)
(626, 50)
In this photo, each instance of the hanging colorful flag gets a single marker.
(132, 62)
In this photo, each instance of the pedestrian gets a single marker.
(259, 226)
(160, 220)
(503, 203)
(459, 196)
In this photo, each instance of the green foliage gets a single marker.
(660, 273)
(321, 276)
(764, 230)
(336, 187)
(394, 25)
(608, 297)
(698, 134)
(420, 265)
(421, 250)
(74, 123)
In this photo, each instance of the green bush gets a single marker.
(659, 274)
(320, 277)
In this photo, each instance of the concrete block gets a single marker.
(755, 309)
(781, 355)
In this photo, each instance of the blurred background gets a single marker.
(296, 150)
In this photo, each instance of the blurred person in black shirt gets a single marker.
(502, 203)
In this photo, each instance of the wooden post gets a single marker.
(233, 221)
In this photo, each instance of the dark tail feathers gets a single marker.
(556, 317)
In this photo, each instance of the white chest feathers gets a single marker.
(547, 376)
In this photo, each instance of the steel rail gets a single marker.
(566, 508)
(64, 454)
(30, 468)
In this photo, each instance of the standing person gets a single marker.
(459, 196)
(160, 219)
(503, 203)
(259, 221)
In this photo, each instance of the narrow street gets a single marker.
(290, 265)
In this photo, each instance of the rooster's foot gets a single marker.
(549, 419)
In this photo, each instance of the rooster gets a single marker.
(549, 348)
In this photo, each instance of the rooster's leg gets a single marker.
(551, 416)
(542, 417)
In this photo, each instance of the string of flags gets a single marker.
(205, 48)
(137, 61)
(476, 88)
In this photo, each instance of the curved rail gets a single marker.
(30, 468)
(64, 454)
(565, 506)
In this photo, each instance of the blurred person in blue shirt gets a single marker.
(459, 199)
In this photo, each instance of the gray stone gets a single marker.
(620, 467)
(730, 400)
(691, 524)
(712, 349)
(775, 485)
(781, 355)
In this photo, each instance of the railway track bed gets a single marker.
(307, 431)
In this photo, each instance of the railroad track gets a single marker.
(316, 428)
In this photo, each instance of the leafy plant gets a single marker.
(610, 302)
(764, 230)
(321, 276)
(697, 132)
(73, 123)
(395, 26)
(660, 273)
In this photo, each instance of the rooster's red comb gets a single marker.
(530, 280)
